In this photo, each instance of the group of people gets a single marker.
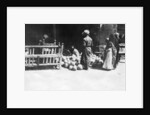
(111, 55)
(85, 56)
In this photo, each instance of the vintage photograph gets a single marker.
(75, 57)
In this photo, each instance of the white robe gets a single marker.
(108, 64)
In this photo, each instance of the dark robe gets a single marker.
(114, 38)
(86, 51)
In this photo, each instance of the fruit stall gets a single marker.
(43, 55)
(73, 63)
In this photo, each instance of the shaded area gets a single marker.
(70, 34)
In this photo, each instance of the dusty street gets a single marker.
(81, 80)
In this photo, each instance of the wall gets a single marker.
(70, 34)
(34, 32)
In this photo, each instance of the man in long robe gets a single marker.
(114, 38)
(87, 50)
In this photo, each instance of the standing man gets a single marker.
(114, 38)
(87, 50)
(117, 47)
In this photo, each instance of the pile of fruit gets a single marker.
(71, 62)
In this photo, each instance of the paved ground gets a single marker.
(64, 79)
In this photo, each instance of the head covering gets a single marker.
(107, 38)
(45, 36)
(86, 32)
(72, 46)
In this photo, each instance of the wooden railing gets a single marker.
(101, 49)
(122, 48)
(122, 51)
(42, 55)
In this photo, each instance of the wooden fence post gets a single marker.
(61, 54)
(54, 41)
(38, 59)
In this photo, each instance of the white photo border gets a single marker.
(17, 97)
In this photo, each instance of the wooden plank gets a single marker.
(54, 50)
(43, 60)
(49, 64)
(49, 51)
(60, 60)
(50, 60)
(29, 61)
(43, 56)
(33, 51)
(53, 60)
(32, 60)
(31, 65)
(30, 52)
(38, 60)
(43, 52)
(25, 60)
(42, 64)
(47, 57)
(41, 46)
(47, 60)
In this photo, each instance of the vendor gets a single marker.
(75, 53)
(44, 39)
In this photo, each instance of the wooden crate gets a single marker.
(43, 55)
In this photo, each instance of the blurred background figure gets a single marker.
(44, 39)
(40, 42)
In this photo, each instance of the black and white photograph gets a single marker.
(75, 57)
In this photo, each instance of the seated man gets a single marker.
(44, 39)
(75, 54)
